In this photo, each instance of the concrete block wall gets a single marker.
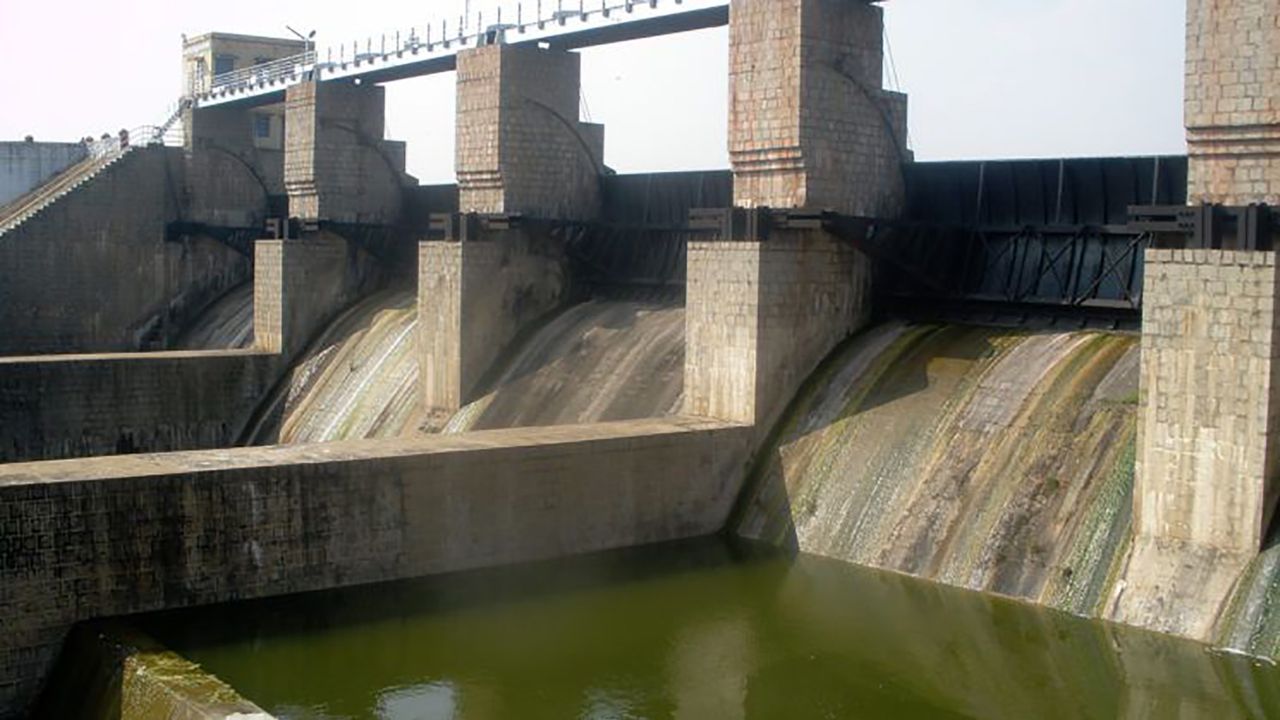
(113, 536)
(1233, 101)
(762, 314)
(475, 294)
(1205, 485)
(1210, 420)
(92, 272)
(520, 146)
(300, 284)
(86, 405)
(336, 163)
(809, 124)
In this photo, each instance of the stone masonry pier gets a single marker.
(81, 539)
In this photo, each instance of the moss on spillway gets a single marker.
(990, 459)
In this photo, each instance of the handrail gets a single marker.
(546, 20)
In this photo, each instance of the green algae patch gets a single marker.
(111, 671)
(991, 459)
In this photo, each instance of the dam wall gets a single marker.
(85, 405)
(81, 539)
(27, 165)
(92, 272)
(106, 404)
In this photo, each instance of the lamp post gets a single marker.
(307, 40)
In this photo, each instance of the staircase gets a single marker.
(102, 155)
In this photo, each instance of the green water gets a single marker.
(701, 630)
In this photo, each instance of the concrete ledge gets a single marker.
(99, 537)
(110, 670)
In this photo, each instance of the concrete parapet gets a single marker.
(477, 289)
(113, 536)
(809, 125)
(521, 148)
(78, 405)
(762, 311)
(1233, 101)
(337, 166)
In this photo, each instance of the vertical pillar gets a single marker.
(298, 285)
(1209, 421)
(809, 124)
(763, 308)
(337, 167)
(1233, 101)
(477, 289)
(521, 148)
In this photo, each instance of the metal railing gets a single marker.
(285, 70)
(529, 20)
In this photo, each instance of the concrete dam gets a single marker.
(831, 433)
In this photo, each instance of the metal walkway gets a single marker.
(434, 48)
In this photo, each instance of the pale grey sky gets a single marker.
(987, 78)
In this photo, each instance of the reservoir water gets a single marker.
(705, 629)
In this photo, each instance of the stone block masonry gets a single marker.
(1233, 101)
(299, 284)
(476, 292)
(809, 125)
(521, 148)
(761, 315)
(337, 166)
(111, 536)
(1209, 434)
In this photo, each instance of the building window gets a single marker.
(262, 126)
(224, 64)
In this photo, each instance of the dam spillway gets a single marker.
(1004, 419)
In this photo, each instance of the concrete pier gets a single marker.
(809, 124)
(337, 165)
(521, 147)
(1205, 487)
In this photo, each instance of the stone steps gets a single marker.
(33, 203)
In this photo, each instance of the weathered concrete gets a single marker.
(476, 291)
(1233, 101)
(109, 670)
(761, 314)
(1209, 425)
(521, 148)
(300, 284)
(79, 405)
(111, 536)
(337, 166)
(92, 271)
(809, 125)
(1209, 434)
(229, 178)
(26, 165)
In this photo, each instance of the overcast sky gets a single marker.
(987, 78)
